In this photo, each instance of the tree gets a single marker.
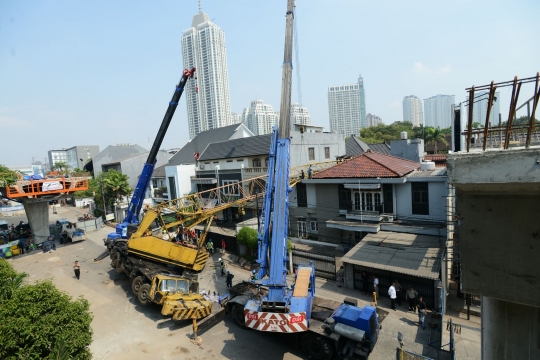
(477, 125)
(248, 236)
(115, 185)
(61, 166)
(41, 322)
(435, 136)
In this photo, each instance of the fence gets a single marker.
(325, 265)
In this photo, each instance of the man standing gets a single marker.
(229, 279)
(392, 294)
(399, 290)
(376, 285)
(77, 269)
(411, 298)
(422, 312)
(223, 244)
(210, 247)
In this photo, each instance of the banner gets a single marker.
(52, 185)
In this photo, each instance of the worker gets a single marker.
(421, 312)
(392, 294)
(77, 270)
(253, 275)
(222, 266)
(339, 276)
(229, 280)
(223, 244)
(302, 175)
(210, 247)
(310, 172)
(410, 296)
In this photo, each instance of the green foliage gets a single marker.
(248, 236)
(92, 189)
(387, 133)
(61, 166)
(113, 184)
(4, 169)
(7, 177)
(435, 136)
(41, 322)
(289, 245)
(477, 125)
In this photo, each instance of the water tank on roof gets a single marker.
(427, 165)
(403, 135)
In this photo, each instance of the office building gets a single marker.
(412, 110)
(347, 108)
(373, 120)
(207, 93)
(438, 111)
(75, 157)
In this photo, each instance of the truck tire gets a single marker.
(136, 284)
(115, 256)
(317, 347)
(238, 316)
(144, 294)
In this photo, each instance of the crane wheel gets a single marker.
(115, 256)
(238, 316)
(144, 294)
(317, 347)
(136, 284)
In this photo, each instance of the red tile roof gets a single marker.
(438, 159)
(370, 165)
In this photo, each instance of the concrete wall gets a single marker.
(113, 153)
(408, 149)
(437, 200)
(132, 167)
(301, 142)
(182, 175)
(328, 200)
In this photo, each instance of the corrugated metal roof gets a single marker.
(354, 147)
(428, 173)
(411, 254)
(200, 142)
(250, 146)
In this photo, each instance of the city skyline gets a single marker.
(115, 80)
(438, 111)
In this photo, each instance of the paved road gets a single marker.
(123, 329)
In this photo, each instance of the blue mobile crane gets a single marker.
(323, 327)
(135, 205)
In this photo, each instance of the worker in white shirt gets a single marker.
(376, 285)
(392, 294)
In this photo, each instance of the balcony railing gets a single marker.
(255, 170)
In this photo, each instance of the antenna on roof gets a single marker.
(200, 6)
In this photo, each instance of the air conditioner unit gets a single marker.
(201, 166)
(387, 218)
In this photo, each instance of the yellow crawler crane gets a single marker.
(146, 240)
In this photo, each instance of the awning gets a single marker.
(343, 223)
(203, 181)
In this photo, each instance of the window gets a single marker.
(230, 187)
(301, 227)
(172, 188)
(313, 225)
(420, 198)
(256, 162)
(367, 200)
(301, 194)
(327, 152)
(266, 162)
(311, 153)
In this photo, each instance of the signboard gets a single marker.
(52, 185)
(109, 217)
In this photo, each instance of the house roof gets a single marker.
(402, 253)
(115, 153)
(200, 142)
(438, 159)
(441, 171)
(159, 172)
(354, 146)
(370, 165)
(235, 148)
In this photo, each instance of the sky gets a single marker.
(102, 72)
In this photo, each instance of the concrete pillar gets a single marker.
(38, 217)
(509, 330)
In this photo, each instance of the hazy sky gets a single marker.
(103, 72)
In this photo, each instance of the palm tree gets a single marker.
(116, 185)
(435, 136)
(61, 166)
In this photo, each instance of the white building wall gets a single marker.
(346, 111)
(182, 178)
(301, 143)
(437, 194)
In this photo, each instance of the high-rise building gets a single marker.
(347, 108)
(480, 108)
(207, 94)
(373, 120)
(412, 110)
(236, 118)
(299, 115)
(438, 111)
(260, 117)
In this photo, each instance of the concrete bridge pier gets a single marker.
(37, 213)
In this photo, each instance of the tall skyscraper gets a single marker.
(480, 108)
(236, 118)
(299, 115)
(207, 97)
(438, 111)
(412, 110)
(373, 120)
(347, 108)
(260, 118)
